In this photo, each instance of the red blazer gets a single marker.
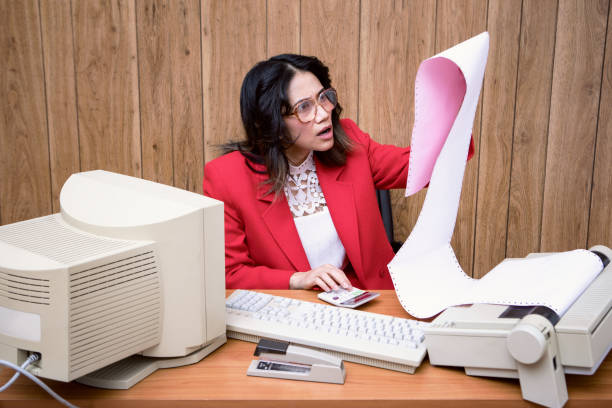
(262, 245)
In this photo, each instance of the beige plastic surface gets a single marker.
(320, 366)
(540, 372)
(475, 338)
(189, 228)
(127, 372)
(96, 304)
(128, 266)
(585, 331)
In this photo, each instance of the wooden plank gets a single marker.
(171, 92)
(330, 31)
(186, 80)
(107, 85)
(535, 67)
(395, 37)
(233, 40)
(154, 67)
(457, 21)
(498, 96)
(56, 26)
(283, 26)
(25, 188)
(600, 217)
(576, 86)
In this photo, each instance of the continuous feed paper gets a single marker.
(425, 271)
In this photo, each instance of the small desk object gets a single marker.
(280, 359)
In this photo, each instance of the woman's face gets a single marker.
(317, 134)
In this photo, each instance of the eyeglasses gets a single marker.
(306, 110)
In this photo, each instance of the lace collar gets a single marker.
(302, 188)
(307, 164)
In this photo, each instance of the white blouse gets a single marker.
(311, 216)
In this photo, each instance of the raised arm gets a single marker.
(388, 163)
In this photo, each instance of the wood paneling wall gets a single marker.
(149, 88)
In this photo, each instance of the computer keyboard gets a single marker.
(352, 335)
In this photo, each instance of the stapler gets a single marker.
(531, 343)
(279, 359)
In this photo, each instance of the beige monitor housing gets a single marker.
(126, 267)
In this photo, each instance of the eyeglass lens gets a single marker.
(307, 110)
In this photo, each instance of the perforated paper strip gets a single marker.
(425, 271)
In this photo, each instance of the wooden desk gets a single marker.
(220, 381)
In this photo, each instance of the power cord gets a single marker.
(30, 360)
(22, 370)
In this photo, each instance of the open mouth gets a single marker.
(325, 131)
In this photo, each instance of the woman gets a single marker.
(299, 192)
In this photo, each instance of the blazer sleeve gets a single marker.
(241, 271)
(388, 163)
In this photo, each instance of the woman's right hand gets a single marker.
(327, 277)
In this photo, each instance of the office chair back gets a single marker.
(384, 205)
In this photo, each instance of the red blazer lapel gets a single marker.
(279, 221)
(340, 199)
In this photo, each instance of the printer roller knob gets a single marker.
(526, 343)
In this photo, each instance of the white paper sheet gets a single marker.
(425, 271)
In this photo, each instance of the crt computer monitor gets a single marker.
(128, 267)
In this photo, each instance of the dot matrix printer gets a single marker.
(532, 344)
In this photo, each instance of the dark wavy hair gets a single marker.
(264, 102)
